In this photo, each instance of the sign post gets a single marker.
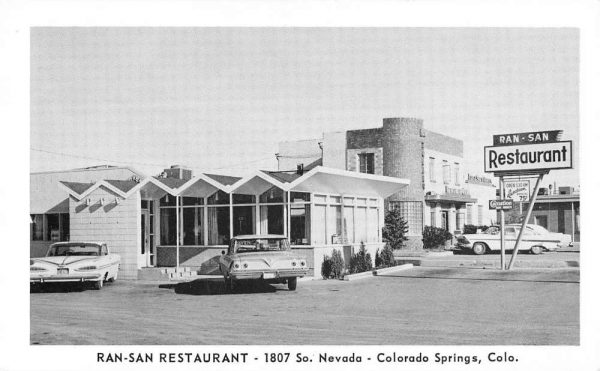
(527, 216)
(502, 266)
(523, 154)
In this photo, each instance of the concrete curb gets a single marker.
(394, 269)
(358, 276)
(373, 273)
(470, 263)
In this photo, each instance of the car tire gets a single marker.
(479, 248)
(98, 284)
(292, 282)
(536, 250)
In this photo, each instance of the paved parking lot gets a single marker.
(424, 306)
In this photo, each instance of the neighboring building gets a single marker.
(557, 212)
(438, 194)
(184, 219)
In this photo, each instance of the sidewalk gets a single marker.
(547, 260)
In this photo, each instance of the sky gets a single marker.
(221, 99)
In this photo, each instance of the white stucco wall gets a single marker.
(116, 224)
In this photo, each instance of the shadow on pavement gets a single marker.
(60, 287)
(213, 287)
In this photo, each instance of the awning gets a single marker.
(342, 182)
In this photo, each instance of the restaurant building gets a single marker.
(440, 193)
(181, 219)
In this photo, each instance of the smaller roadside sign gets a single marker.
(501, 204)
(517, 190)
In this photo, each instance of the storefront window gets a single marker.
(168, 226)
(185, 201)
(349, 223)
(271, 219)
(64, 227)
(192, 231)
(319, 236)
(273, 195)
(218, 225)
(167, 200)
(300, 196)
(243, 199)
(300, 224)
(53, 229)
(372, 224)
(243, 220)
(219, 198)
(334, 224)
(360, 220)
(37, 227)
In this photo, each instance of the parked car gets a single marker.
(535, 239)
(261, 257)
(75, 262)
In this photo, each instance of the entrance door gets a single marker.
(147, 248)
(444, 220)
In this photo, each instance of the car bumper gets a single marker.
(66, 278)
(268, 275)
(463, 246)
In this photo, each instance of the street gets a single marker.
(420, 306)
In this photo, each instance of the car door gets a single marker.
(510, 237)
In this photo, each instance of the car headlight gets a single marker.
(293, 264)
(36, 269)
(245, 265)
(87, 268)
(236, 265)
(302, 263)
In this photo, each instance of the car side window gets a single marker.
(104, 250)
(510, 230)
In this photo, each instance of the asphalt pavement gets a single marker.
(420, 306)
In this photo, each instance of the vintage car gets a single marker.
(535, 239)
(75, 262)
(261, 257)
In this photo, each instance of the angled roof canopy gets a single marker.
(328, 180)
(319, 180)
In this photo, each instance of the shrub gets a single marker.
(385, 258)
(395, 229)
(361, 261)
(333, 267)
(435, 237)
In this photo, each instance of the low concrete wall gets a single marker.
(207, 257)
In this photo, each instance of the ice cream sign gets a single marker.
(528, 152)
(517, 190)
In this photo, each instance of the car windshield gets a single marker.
(74, 250)
(261, 244)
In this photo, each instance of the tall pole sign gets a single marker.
(524, 154)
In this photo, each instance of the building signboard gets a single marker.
(501, 204)
(528, 157)
(517, 190)
(527, 138)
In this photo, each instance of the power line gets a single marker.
(232, 166)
